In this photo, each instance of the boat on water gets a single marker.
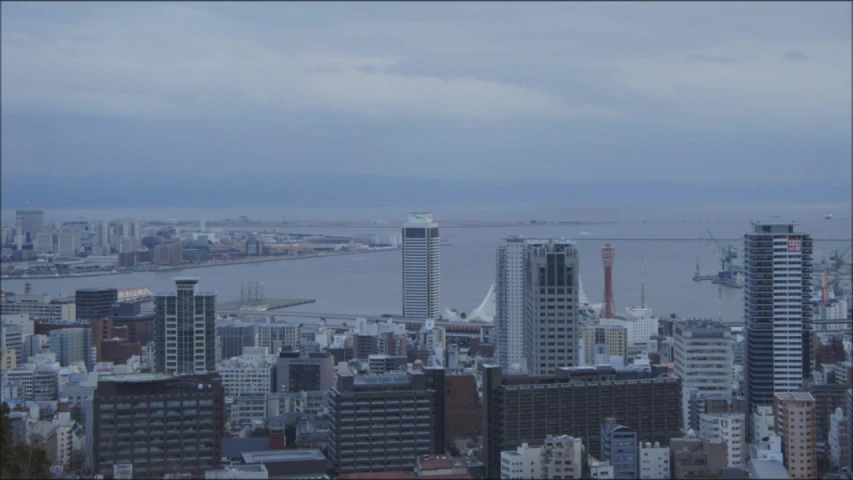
(828, 216)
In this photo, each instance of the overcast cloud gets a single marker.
(634, 91)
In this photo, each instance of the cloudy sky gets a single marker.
(693, 91)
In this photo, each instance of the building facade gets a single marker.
(523, 463)
(575, 401)
(95, 303)
(277, 336)
(72, 345)
(654, 461)
(509, 304)
(777, 310)
(614, 336)
(184, 329)
(619, 447)
(551, 329)
(729, 428)
(703, 356)
(383, 422)
(795, 422)
(31, 222)
(234, 337)
(161, 424)
(421, 267)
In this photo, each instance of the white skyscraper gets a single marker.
(509, 303)
(777, 293)
(421, 267)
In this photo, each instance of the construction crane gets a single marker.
(727, 253)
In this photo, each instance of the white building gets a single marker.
(255, 471)
(421, 267)
(654, 461)
(36, 380)
(247, 374)
(729, 428)
(525, 462)
(128, 244)
(509, 304)
(562, 457)
(44, 242)
(771, 449)
(600, 469)
(68, 244)
(837, 440)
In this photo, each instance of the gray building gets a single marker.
(574, 401)
(386, 363)
(703, 360)
(295, 373)
(12, 338)
(32, 223)
(778, 312)
(383, 422)
(619, 446)
(95, 303)
(71, 345)
(421, 267)
(185, 329)
(551, 329)
(850, 428)
(233, 337)
(161, 424)
(509, 303)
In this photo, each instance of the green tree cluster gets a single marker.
(19, 461)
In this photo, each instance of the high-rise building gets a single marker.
(837, 439)
(130, 228)
(32, 223)
(575, 401)
(161, 424)
(309, 374)
(509, 304)
(383, 422)
(421, 267)
(702, 351)
(184, 329)
(68, 244)
(619, 446)
(551, 329)
(277, 336)
(12, 340)
(95, 303)
(778, 311)
(794, 414)
(608, 308)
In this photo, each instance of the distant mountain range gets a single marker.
(332, 190)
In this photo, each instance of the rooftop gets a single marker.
(795, 396)
(135, 377)
(768, 469)
(273, 456)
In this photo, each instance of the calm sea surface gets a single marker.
(370, 283)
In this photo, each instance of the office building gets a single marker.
(608, 308)
(45, 242)
(383, 422)
(421, 267)
(248, 373)
(523, 463)
(615, 337)
(778, 312)
(729, 428)
(169, 254)
(386, 363)
(574, 401)
(837, 439)
(38, 306)
(509, 304)
(277, 336)
(619, 447)
(551, 326)
(693, 457)
(703, 356)
(184, 329)
(828, 397)
(12, 340)
(794, 414)
(31, 222)
(161, 424)
(304, 374)
(72, 345)
(654, 461)
(129, 228)
(234, 337)
(95, 303)
(68, 244)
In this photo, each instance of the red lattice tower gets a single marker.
(608, 309)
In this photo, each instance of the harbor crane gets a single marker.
(727, 253)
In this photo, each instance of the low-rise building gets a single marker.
(729, 428)
(525, 462)
(247, 374)
(38, 306)
(654, 461)
(239, 472)
(562, 457)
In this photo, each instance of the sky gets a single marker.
(497, 91)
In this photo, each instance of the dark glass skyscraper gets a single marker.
(185, 329)
(95, 303)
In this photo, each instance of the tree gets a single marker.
(20, 461)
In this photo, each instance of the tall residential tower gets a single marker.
(184, 329)
(777, 312)
(421, 267)
(509, 303)
(608, 309)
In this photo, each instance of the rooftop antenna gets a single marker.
(642, 283)
(720, 298)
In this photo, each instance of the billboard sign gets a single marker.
(795, 245)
